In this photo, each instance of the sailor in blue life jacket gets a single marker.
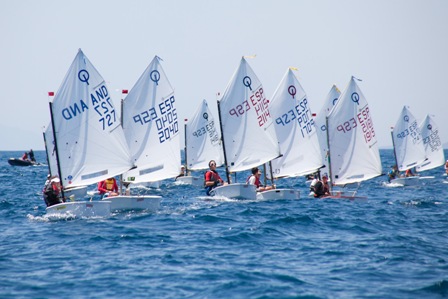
(393, 173)
(212, 178)
(254, 179)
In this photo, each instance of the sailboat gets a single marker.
(296, 133)
(435, 156)
(89, 142)
(248, 133)
(202, 144)
(72, 192)
(320, 121)
(151, 126)
(409, 151)
(352, 145)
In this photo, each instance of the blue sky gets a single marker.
(398, 48)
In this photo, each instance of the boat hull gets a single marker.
(279, 194)
(190, 180)
(80, 209)
(20, 162)
(75, 192)
(149, 203)
(407, 181)
(236, 191)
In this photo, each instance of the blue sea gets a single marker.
(392, 245)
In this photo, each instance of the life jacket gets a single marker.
(257, 182)
(213, 177)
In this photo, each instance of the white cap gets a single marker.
(55, 180)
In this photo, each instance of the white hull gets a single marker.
(76, 192)
(279, 194)
(408, 181)
(80, 209)
(190, 180)
(236, 191)
(136, 203)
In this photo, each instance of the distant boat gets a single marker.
(353, 148)
(202, 144)
(248, 134)
(409, 151)
(89, 142)
(20, 162)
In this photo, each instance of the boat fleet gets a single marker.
(89, 140)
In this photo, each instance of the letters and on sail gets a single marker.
(247, 129)
(353, 148)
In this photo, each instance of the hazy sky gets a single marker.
(398, 48)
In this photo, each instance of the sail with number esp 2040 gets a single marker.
(407, 141)
(90, 142)
(203, 139)
(352, 143)
(435, 156)
(295, 130)
(247, 126)
(151, 125)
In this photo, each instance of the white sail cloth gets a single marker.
(353, 147)
(151, 125)
(295, 130)
(433, 145)
(90, 142)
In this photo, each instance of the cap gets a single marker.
(55, 180)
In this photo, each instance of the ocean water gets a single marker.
(392, 245)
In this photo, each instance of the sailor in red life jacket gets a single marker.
(212, 178)
(108, 187)
(254, 179)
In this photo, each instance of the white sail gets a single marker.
(151, 126)
(50, 150)
(433, 145)
(320, 121)
(295, 129)
(407, 140)
(203, 139)
(90, 142)
(247, 126)
(353, 147)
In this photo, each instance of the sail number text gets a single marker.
(362, 119)
(301, 112)
(209, 129)
(165, 117)
(433, 141)
(257, 101)
(102, 104)
(413, 131)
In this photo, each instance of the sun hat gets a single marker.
(55, 180)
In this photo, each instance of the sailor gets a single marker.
(212, 178)
(254, 179)
(322, 188)
(31, 155)
(446, 167)
(108, 187)
(25, 156)
(393, 173)
(52, 192)
(182, 172)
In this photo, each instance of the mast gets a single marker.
(328, 155)
(223, 144)
(56, 149)
(393, 145)
(187, 172)
(123, 92)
